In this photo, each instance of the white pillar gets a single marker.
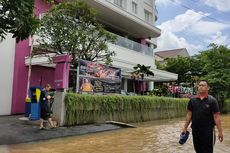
(7, 95)
(125, 84)
(150, 86)
(59, 107)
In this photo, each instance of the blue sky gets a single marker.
(193, 24)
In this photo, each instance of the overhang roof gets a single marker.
(123, 20)
(172, 53)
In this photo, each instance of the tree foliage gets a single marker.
(217, 70)
(17, 17)
(142, 70)
(212, 65)
(179, 65)
(71, 27)
(189, 69)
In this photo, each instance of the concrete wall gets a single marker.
(7, 50)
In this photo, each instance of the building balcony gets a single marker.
(134, 46)
(130, 53)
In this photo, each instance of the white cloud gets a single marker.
(207, 28)
(182, 21)
(169, 40)
(191, 23)
(219, 39)
(168, 2)
(221, 5)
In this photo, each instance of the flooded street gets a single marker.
(149, 137)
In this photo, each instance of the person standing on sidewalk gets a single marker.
(45, 107)
(203, 111)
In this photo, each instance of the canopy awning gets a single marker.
(159, 75)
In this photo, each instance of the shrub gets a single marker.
(86, 109)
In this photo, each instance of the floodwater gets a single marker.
(159, 136)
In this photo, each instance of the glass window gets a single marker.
(119, 3)
(134, 7)
(147, 16)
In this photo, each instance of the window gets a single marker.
(150, 2)
(134, 7)
(147, 16)
(119, 3)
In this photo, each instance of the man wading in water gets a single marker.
(203, 112)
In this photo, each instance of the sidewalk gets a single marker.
(13, 130)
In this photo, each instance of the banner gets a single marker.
(94, 85)
(98, 78)
(96, 70)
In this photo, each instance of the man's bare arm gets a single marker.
(188, 119)
(218, 125)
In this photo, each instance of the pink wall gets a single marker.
(143, 41)
(20, 70)
(41, 7)
(61, 79)
(20, 77)
(42, 76)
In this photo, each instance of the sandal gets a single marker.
(42, 128)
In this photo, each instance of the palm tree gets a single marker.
(142, 70)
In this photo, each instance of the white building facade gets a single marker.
(7, 48)
(133, 21)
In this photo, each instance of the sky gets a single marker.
(193, 24)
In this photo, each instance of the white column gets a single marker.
(125, 84)
(7, 49)
(59, 111)
(150, 86)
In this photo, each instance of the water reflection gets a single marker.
(150, 137)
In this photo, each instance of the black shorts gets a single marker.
(203, 140)
(45, 112)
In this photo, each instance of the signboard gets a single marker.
(179, 91)
(95, 85)
(97, 70)
(98, 78)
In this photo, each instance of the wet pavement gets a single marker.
(13, 130)
(159, 136)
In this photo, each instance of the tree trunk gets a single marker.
(30, 68)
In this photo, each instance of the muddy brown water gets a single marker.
(159, 136)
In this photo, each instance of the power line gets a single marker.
(189, 8)
(194, 1)
(213, 7)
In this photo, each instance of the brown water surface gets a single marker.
(159, 136)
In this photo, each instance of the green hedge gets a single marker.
(86, 109)
(227, 105)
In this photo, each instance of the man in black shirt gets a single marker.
(203, 112)
(45, 107)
